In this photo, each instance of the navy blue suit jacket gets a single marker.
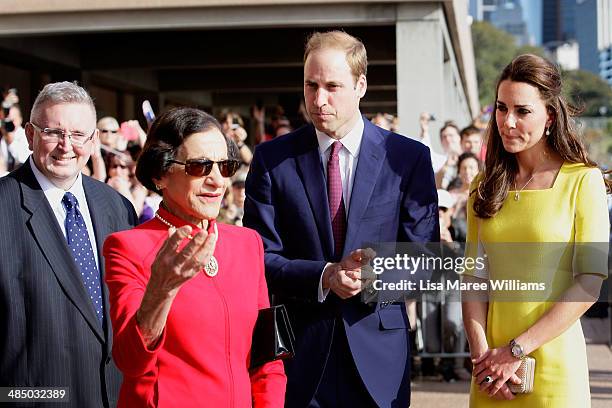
(393, 199)
(49, 333)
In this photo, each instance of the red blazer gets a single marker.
(203, 355)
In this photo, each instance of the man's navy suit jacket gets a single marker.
(49, 333)
(393, 199)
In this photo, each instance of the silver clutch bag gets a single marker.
(526, 373)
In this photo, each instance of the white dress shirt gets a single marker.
(18, 148)
(437, 159)
(348, 157)
(54, 196)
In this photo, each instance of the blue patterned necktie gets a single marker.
(82, 252)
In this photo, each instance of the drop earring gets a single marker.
(547, 131)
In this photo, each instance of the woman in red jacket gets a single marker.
(184, 290)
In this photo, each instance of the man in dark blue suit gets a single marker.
(317, 196)
(54, 325)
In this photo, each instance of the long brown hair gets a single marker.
(501, 166)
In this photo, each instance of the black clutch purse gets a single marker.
(272, 337)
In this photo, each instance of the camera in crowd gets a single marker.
(7, 123)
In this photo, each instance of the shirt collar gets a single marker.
(351, 141)
(55, 194)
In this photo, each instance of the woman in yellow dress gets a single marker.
(538, 213)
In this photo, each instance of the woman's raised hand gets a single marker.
(172, 268)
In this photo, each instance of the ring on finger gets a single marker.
(488, 379)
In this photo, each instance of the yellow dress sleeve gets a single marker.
(591, 225)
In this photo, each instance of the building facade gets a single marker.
(506, 15)
(594, 36)
(238, 53)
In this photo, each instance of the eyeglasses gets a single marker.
(51, 135)
(203, 167)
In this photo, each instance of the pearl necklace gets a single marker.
(212, 267)
(516, 192)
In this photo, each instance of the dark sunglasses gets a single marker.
(203, 167)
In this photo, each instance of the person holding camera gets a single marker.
(233, 126)
(13, 142)
(437, 160)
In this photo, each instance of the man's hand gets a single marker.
(10, 99)
(452, 160)
(445, 235)
(239, 135)
(348, 277)
(96, 150)
(9, 137)
(259, 114)
(424, 124)
(142, 135)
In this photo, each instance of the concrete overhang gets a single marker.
(24, 18)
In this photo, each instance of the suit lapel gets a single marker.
(42, 223)
(371, 158)
(313, 178)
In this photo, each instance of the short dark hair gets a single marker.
(447, 124)
(468, 155)
(468, 131)
(166, 135)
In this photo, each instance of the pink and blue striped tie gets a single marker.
(337, 210)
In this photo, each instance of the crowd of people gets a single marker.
(115, 155)
(116, 151)
(126, 275)
(454, 169)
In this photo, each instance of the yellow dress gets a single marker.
(573, 210)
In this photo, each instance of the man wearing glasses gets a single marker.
(54, 324)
